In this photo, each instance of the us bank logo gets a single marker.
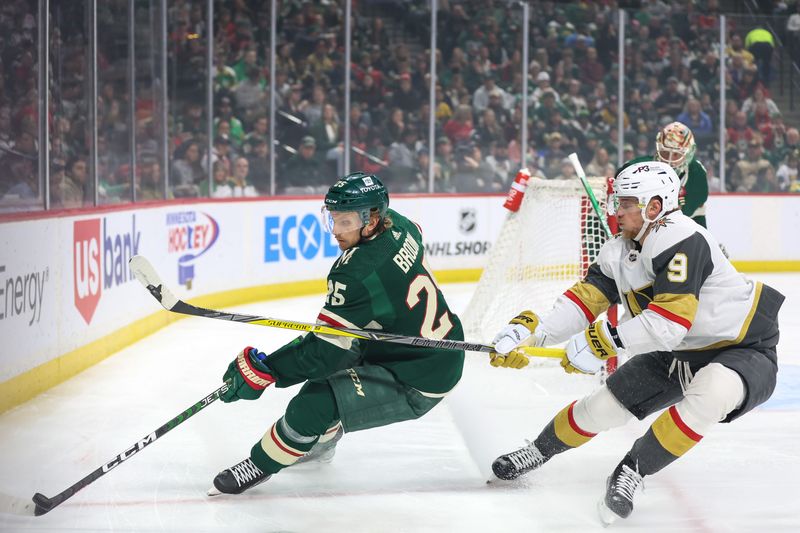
(292, 238)
(101, 248)
(190, 234)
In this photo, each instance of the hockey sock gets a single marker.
(667, 439)
(309, 414)
(562, 434)
(280, 447)
(330, 432)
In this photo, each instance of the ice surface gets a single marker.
(426, 475)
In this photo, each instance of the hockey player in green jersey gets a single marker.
(380, 281)
(675, 146)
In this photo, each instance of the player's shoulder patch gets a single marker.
(661, 223)
(342, 263)
(668, 231)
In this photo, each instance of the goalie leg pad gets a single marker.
(600, 411)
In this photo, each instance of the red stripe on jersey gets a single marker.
(669, 315)
(328, 320)
(571, 295)
(574, 425)
(277, 442)
(676, 418)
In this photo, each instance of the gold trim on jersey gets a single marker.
(592, 297)
(683, 305)
(745, 326)
(633, 298)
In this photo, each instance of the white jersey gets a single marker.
(679, 291)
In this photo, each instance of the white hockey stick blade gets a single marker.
(147, 276)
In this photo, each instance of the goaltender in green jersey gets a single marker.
(675, 146)
(381, 281)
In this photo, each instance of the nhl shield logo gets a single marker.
(467, 220)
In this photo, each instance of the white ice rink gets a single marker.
(426, 475)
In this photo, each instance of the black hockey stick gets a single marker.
(147, 276)
(45, 504)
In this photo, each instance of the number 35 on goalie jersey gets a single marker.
(384, 284)
(679, 291)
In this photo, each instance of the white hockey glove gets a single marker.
(589, 349)
(520, 331)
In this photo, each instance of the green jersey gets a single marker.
(382, 283)
(694, 188)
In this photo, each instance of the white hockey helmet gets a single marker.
(675, 145)
(644, 181)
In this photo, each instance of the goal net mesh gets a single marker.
(542, 249)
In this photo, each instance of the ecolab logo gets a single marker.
(285, 238)
(191, 234)
(101, 261)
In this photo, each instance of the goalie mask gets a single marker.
(352, 198)
(675, 146)
(644, 181)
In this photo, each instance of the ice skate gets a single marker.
(513, 465)
(620, 489)
(238, 478)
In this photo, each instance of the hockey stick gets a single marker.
(148, 277)
(45, 504)
(573, 157)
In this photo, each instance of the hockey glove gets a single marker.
(513, 359)
(587, 350)
(249, 376)
(519, 331)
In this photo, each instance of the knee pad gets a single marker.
(714, 391)
(600, 411)
(313, 411)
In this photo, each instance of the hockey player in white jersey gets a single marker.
(700, 335)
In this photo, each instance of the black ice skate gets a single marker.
(238, 478)
(620, 489)
(522, 461)
(322, 452)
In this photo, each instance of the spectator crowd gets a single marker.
(672, 62)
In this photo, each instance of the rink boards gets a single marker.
(67, 299)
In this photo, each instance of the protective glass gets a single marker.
(337, 222)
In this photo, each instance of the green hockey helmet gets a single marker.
(359, 192)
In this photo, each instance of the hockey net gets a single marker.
(542, 250)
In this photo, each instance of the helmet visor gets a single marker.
(625, 203)
(338, 222)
